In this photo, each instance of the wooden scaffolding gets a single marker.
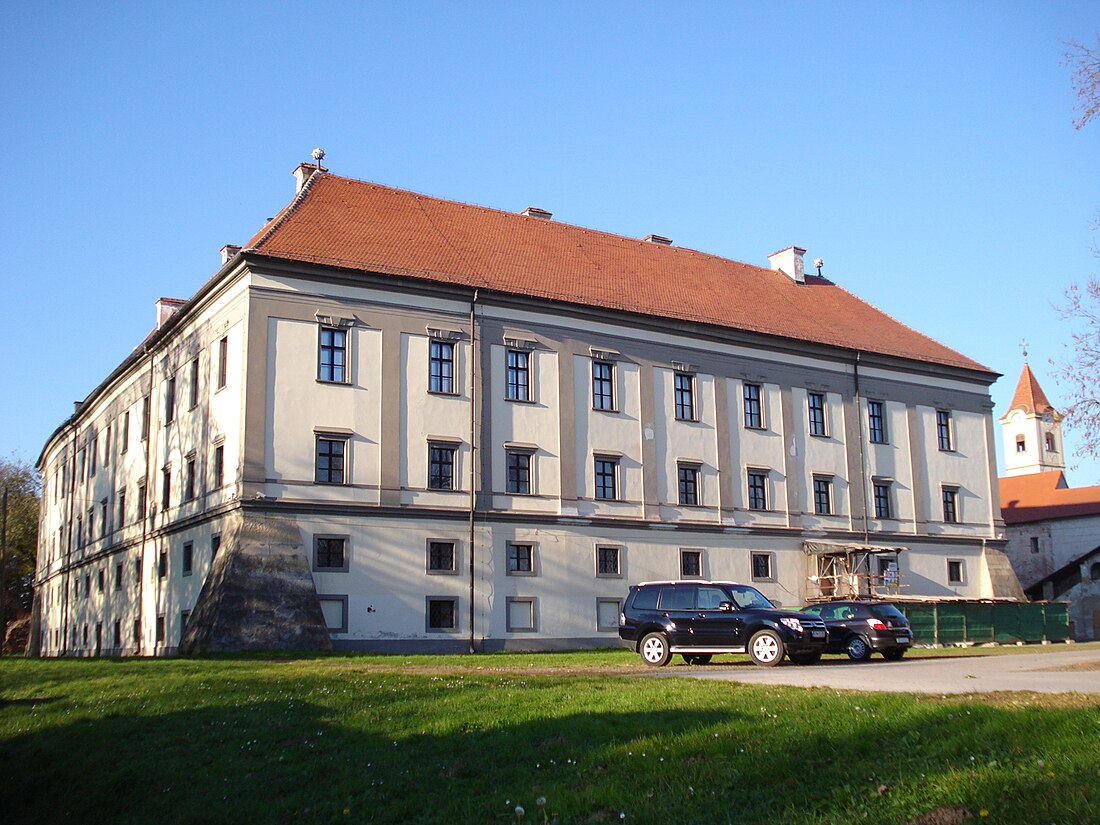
(852, 571)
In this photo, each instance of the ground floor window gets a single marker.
(442, 614)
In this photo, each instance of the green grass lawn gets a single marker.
(466, 739)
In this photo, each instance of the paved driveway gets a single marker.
(1042, 672)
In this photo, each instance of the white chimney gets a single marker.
(166, 308)
(659, 239)
(228, 251)
(789, 262)
(535, 212)
(302, 173)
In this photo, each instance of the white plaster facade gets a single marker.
(267, 414)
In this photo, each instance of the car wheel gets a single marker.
(811, 658)
(766, 648)
(858, 650)
(893, 655)
(654, 650)
(696, 658)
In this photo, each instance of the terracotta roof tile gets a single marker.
(1041, 496)
(358, 225)
(1029, 396)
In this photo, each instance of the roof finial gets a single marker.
(318, 155)
(1023, 348)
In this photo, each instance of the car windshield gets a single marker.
(745, 596)
(887, 611)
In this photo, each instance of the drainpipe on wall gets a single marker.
(862, 452)
(473, 454)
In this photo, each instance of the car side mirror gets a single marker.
(725, 607)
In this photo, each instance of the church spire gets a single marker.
(1032, 430)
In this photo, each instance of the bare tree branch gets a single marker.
(1085, 62)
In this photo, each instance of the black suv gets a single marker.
(858, 628)
(698, 619)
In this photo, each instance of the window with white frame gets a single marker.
(815, 403)
(876, 422)
(950, 504)
(754, 414)
(691, 564)
(956, 571)
(609, 561)
(884, 507)
(763, 567)
(943, 430)
(517, 375)
(687, 481)
(332, 355)
(521, 558)
(518, 470)
(330, 460)
(607, 614)
(223, 362)
(823, 495)
(758, 489)
(521, 614)
(684, 395)
(603, 385)
(606, 477)
(442, 557)
(441, 367)
(441, 466)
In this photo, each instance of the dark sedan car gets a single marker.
(860, 628)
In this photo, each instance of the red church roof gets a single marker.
(363, 226)
(1029, 396)
(1041, 496)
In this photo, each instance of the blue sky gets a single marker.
(924, 151)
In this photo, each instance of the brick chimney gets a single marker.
(789, 262)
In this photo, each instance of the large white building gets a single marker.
(395, 422)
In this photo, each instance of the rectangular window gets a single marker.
(218, 466)
(188, 558)
(442, 614)
(329, 464)
(823, 495)
(332, 358)
(189, 479)
(93, 452)
(215, 546)
(607, 561)
(441, 467)
(137, 633)
(91, 524)
(762, 567)
(137, 572)
(166, 488)
(518, 378)
(683, 385)
(160, 629)
(521, 615)
(607, 614)
(883, 505)
(194, 399)
(124, 437)
(118, 634)
(943, 429)
(519, 471)
(80, 472)
(185, 617)
(758, 490)
(162, 564)
(688, 483)
(603, 385)
(104, 521)
(521, 559)
(141, 501)
(441, 557)
(80, 531)
(1021, 444)
(1034, 544)
(101, 582)
(107, 447)
(956, 571)
(754, 416)
(691, 564)
(607, 470)
(118, 576)
(330, 553)
(876, 422)
(441, 367)
(816, 405)
(223, 361)
(951, 505)
(144, 418)
(170, 401)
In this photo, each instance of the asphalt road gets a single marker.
(1065, 671)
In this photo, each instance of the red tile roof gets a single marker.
(348, 223)
(1029, 396)
(1041, 496)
